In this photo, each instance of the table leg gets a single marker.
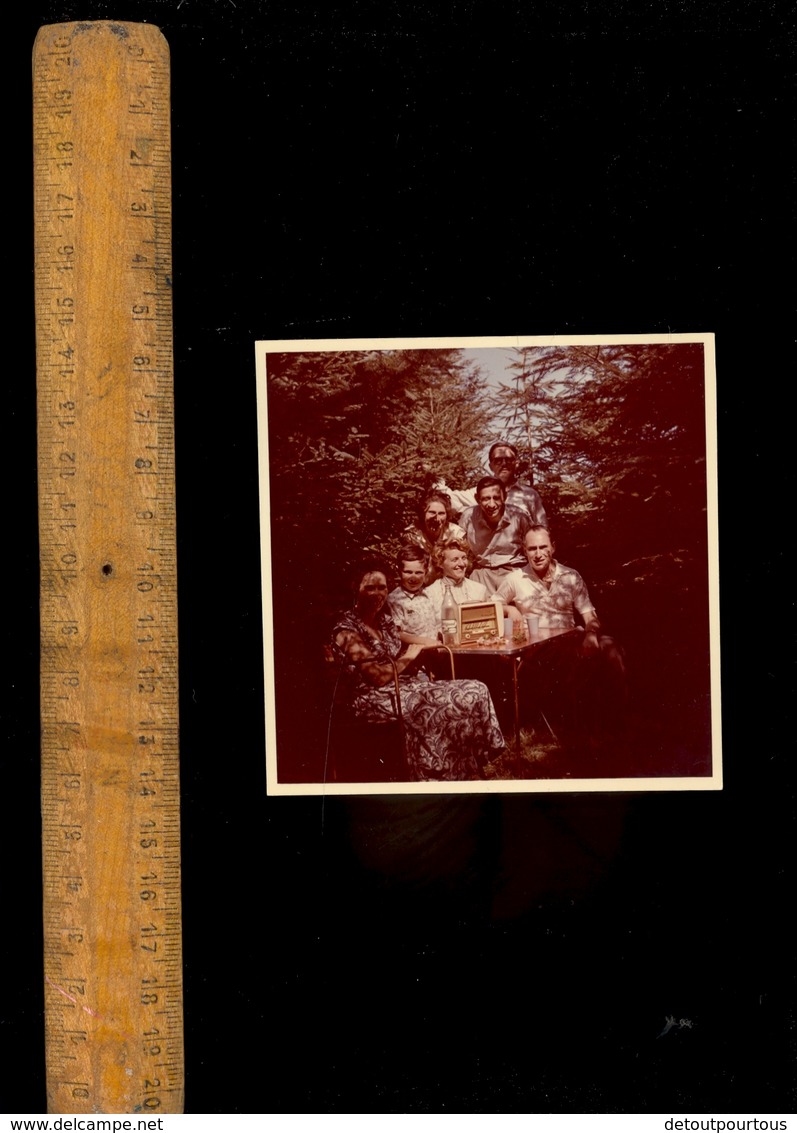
(515, 670)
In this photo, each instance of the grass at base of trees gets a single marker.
(529, 762)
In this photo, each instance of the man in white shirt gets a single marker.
(494, 533)
(410, 606)
(581, 677)
(556, 594)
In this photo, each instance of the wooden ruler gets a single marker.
(110, 777)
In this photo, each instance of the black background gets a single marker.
(461, 167)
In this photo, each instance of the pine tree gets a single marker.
(354, 439)
(619, 445)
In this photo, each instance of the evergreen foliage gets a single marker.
(618, 439)
(355, 438)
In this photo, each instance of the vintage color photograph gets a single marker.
(489, 564)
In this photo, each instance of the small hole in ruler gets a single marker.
(107, 568)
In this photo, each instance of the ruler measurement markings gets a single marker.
(60, 359)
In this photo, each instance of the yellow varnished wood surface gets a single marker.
(110, 799)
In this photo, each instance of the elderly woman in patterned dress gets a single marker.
(451, 730)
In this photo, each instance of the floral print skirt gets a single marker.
(450, 727)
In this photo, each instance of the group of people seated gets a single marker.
(489, 543)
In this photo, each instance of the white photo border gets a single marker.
(710, 782)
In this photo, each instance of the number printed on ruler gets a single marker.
(108, 569)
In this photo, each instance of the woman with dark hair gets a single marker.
(451, 729)
(434, 527)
